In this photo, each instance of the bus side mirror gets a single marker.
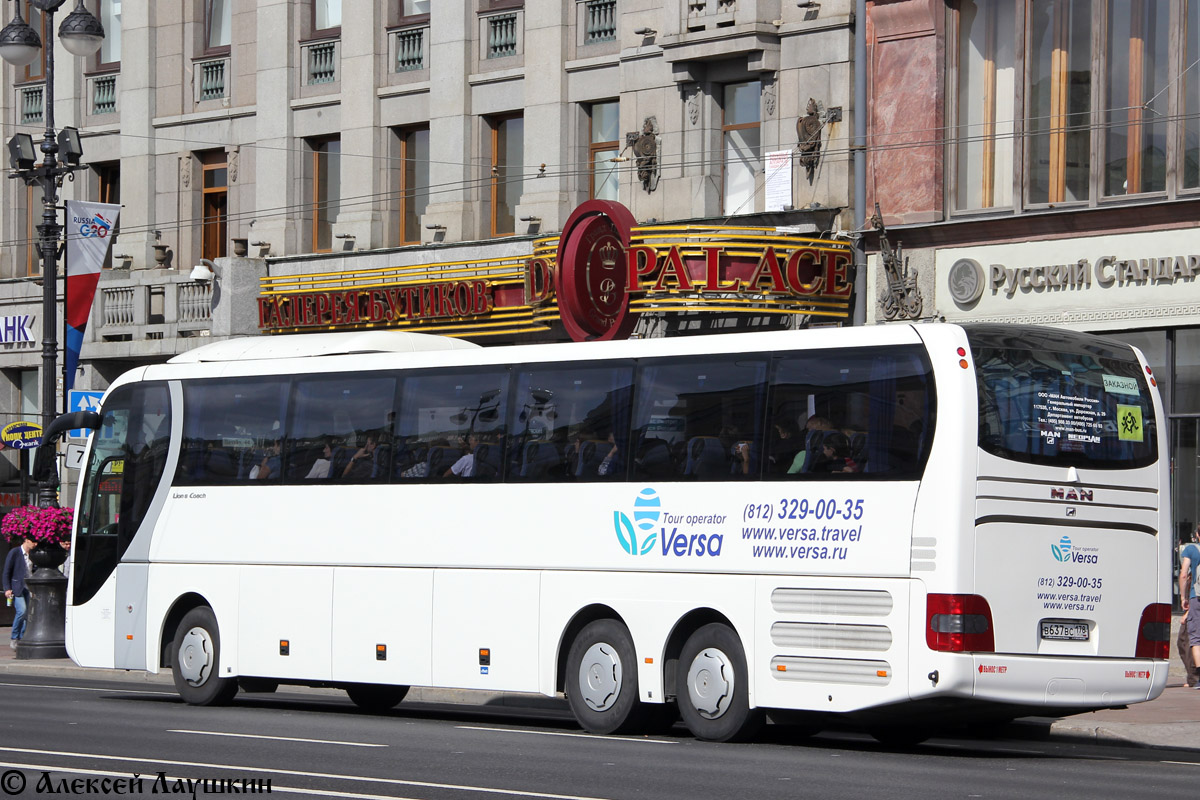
(43, 460)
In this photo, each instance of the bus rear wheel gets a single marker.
(196, 667)
(602, 685)
(376, 697)
(712, 694)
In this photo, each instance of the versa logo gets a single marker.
(646, 510)
(647, 514)
(1062, 550)
(1067, 552)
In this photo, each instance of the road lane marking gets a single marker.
(277, 738)
(574, 735)
(86, 689)
(291, 772)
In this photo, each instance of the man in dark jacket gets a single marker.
(16, 569)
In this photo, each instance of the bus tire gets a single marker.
(196, 666)
(712, 691)
(376, 697)
(602, 684)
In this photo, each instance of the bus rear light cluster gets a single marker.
(962, 358)
(959, 623)
(1154, 632)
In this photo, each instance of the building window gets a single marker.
(327, 17)
(218, 25)
(30, 389)
(986, 85)
(1095, 124)
(215, 199)
(604, 124)
(325, 186)
(414, 182)
(109, 56)
(741, 139)
(33, 217)
(1135, 141)
(414, 8)
(36, 69)
(108, 190)
(507, 157)
(1191, 109)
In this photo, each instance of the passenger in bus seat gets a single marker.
(321, 468)
(464, 467)
(363, 464)
(786, 443)
(270, 464)
(814, 430)
(835, 454)
(612, 463)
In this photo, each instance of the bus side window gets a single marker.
(700, 419)
(448, 415)
(570, 422)
(837, 414)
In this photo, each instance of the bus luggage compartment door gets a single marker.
(1065, 590)
(130, 617)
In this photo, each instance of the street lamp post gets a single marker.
(81, 34)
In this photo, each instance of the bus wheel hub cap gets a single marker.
(710, 683)
(195, 656)
(600, 676)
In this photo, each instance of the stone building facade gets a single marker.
(284, 139)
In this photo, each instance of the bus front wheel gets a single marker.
(712, 694)
(376, 697)
(602, 685)
(196, 666)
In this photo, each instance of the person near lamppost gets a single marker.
(17, 567)
(16, 528)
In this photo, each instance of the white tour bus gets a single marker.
(900, 526)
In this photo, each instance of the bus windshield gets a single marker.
(1056, 398)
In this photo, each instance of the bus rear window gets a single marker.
(1055, 398)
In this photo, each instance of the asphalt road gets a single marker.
(57, 735)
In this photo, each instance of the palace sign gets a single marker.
(595, 279)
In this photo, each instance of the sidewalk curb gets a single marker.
(1163, 736)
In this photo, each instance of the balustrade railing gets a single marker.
(601, 21)
(212, 78)
(33, 104)
(104, 94)
(410, 50)
(502, 36)
(194, 301)
(322, 62)
(118, 306)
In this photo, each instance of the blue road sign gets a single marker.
(82, 401)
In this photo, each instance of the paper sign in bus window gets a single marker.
(1129, 423)
(1120, 384)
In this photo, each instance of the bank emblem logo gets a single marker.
(966, 281)
(1062, 550)
(647, 509)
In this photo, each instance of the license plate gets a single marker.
(1065, 631)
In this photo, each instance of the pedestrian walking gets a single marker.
(18, 567)
(1189, 560)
